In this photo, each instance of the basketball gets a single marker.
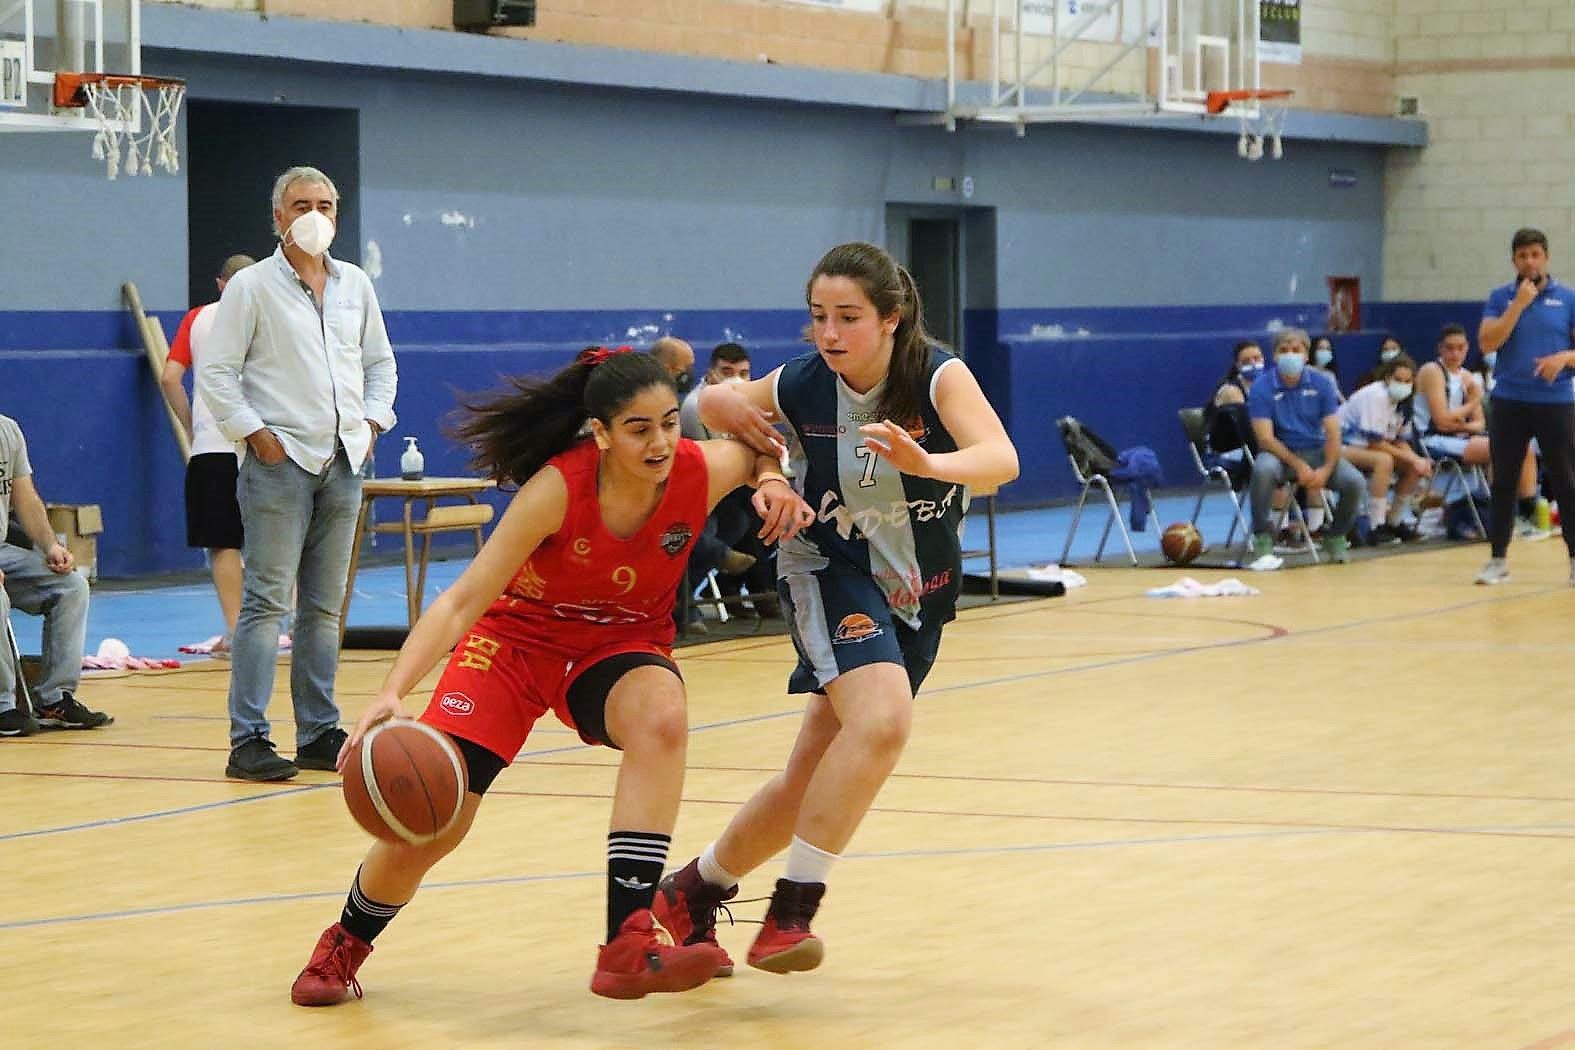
(1181, 543)
(405, 783)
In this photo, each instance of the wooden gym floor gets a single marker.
(1334, 815)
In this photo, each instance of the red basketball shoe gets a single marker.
(784, 943)
(330, 977)
(644, 959)
(686, 904)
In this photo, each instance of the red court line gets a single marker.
(1564, 1038)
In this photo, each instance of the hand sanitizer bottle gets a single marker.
(411, 463)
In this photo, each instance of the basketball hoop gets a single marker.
(137, 112)
(1260, 115)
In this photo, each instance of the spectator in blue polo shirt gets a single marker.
(1294, 415)
(1530, 322)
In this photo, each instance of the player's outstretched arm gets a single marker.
(985, 458)
(731, 464)
(535, 512)
(745, 411)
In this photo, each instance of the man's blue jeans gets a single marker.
(299, 528)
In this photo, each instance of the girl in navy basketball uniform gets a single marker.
(568, 607)
(887, 433)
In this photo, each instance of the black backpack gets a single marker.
(1092, 453)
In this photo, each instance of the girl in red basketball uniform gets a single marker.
(568, 607)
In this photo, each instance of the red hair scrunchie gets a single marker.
(598, 354)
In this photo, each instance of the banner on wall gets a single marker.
(1280, 31)
(1108, 19)
(873, 7)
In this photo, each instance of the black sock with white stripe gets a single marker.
(634, 866)
(363, 917)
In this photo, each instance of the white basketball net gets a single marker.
(1261, 122)
(115, 105)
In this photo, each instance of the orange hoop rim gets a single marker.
(70, 88)
(1218, 102)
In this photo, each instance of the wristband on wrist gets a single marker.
(771, 475)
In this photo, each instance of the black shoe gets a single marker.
(323, 752)
(1406, 532)
(69, 713)
(1386, 536)
(17, 722)
(256, 759)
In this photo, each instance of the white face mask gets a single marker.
(1389, 353)
(312, 233)
(734, 379)
(1398, 391)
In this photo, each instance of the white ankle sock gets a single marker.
(713, 872)
(807, 863)
(1314, 518)
(1378, 510)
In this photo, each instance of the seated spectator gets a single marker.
(1376, 436)
(40, 581)
(1388, 350)
(1227, 429)
(1295, 417)
(1323, 360)
(1450, 418)
(729, 544)
(678, 357)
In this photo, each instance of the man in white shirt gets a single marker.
(298, 366)
(213, 518)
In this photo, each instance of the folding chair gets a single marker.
(988, 551)
(1192, 423)
(1293, 510)
(1470, 476)
(13, 653)
(1090, 475)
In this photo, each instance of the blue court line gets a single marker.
(515, 880)
(796, 712)
(140, 817)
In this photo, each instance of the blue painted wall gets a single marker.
(514, 221)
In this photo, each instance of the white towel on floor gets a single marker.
(1187, 587)
(1053, 573)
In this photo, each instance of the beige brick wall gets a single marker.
(1495, 80)
(1347, 43)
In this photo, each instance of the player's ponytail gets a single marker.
(514, 431)
(890, 290)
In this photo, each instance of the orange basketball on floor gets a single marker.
(1181, 543)
(405, 783)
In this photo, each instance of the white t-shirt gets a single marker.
(205, 436)
(1369, 416)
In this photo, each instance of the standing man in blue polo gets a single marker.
(1294, 413)
(298, 366)
(1530, 322)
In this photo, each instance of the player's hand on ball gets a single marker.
(382, 709)
(897, 447)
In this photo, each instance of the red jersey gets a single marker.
(585, 588)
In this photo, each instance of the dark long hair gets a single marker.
(512, 432)
(891, 289)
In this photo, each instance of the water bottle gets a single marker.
(1543, 516)
(411, 463)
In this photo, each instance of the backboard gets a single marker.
(39, 38)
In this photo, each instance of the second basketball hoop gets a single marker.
(1260, 115)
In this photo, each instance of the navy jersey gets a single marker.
(902, 531)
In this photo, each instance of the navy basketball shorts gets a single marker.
(840, 620)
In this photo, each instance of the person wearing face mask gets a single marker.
(1323, 360)
(1375, 432)
(1226, 426)
(678, 357)
(1388, 350)
(1530, 323)
(1294, 413)
(298, 366)
(728, 543)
